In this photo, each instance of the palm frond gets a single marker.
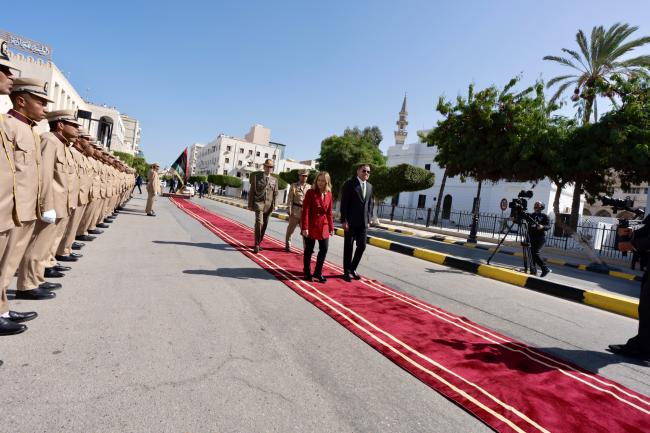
(554, 80)
(576, 56)
(563, 61)
(582, 43)
(629, 46)
(640, 61)
(561, 90)
(615, 35)
(597, 34)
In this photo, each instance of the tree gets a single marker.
(390, 181)
(292, 176)
(492, 135)
(197, 178)
(127, 158)
(340, 156)
(214, 179)
(370, 134)
(597, 62)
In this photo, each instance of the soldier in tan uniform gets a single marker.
(153, 188)
(9, 320)
(29, 98)
(261, 199)
(87, 222)
(55, 185)
(297, 193)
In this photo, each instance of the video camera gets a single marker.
(518, 206)
(623, 223)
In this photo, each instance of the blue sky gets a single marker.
(190, 70)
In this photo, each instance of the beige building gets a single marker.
(638, 193)
(131, 133)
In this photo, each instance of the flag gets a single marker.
(179, 167)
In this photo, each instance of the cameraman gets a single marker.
(538, 225)
(639, 345)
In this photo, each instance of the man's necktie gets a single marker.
(363, 190)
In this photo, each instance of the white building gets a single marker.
(292, 164)
(193, 152)
(106, 124)
(457, 195)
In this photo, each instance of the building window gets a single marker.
(274, 157)
(427, 167)
(257, 154)
(241, 150)
(422, 201)
(247, 175)
(239, 174)
(225, 172)
(228, 148)
(250, 152)
(227, 160)
(239, 163)
(266, 155)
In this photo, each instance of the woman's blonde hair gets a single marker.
(328, 182)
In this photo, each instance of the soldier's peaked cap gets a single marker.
(33, 86)
(68, 116)
(4, 56)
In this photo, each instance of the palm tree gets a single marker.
(598, 60)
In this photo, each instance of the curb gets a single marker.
(604, 301)
(589, 268)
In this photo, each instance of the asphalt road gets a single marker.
(163, 327)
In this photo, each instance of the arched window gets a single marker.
(446, 207)
(105, 131)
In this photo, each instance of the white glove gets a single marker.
(49, 216)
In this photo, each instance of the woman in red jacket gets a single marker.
(317, 224)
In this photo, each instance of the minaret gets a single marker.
(400, 134)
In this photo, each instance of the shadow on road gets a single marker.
(221, 247)
(238, 273)
(505, 354)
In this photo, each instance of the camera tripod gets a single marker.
(522, 233)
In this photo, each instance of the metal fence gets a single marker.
(597, 237)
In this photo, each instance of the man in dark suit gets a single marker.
(356, 212)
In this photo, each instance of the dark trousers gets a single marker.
(323, 244)
(642, 339)
(352, 235)
(536, 246)
(139, 189)
(261, 221)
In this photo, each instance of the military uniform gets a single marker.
(261, 199)
(153, 188)
(294, 206)
(27, 158)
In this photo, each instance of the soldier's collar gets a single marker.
(21, 117)
(61, 138)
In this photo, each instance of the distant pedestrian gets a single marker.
(537, 228)
(138, 183)
(317, 224)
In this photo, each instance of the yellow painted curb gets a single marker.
(505, 275)
(609, 302)
(621, 275)
(468, 245)
(381, 243)
(430, 256)
(449, 241)
(556, 261)
(582, 267)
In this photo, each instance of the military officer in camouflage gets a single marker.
(261, 199)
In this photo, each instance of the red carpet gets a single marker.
(508, 385)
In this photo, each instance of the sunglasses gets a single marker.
(366, 171)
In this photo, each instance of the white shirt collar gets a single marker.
(361, 181)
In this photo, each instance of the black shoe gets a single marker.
(35, 294)
(77, 245)
(85, 238)
(107, 221)
(61, 268)
(95, 232)
(151, 214)
(51, 273)
(307, 278)
(76, 255)
(101, 226)
(256, 249)
(320, 278)
(49, 286)
(66, 258)
(545, 272)
(17, 317)
(630, 351)
(8, 327)
(346, 277)
(355, 275)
